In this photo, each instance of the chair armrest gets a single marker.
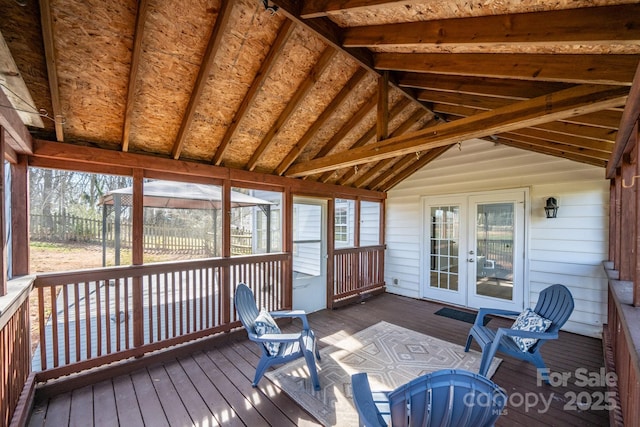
(300, 314)
(274, 337)
(363, 400)
(485, 311)
(525, 334)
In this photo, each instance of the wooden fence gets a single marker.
(109, 314)
(157, 238)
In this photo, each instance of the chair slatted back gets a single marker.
(450, 397)
(246, 306)
(556, 304)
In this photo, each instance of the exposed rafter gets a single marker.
(301, 92)
(552, 107)
(52, 72)
(203, 74)
(536, 148)
(357, 77)
(484, 86)
(331, 33)
(136, 50)
(261, 76)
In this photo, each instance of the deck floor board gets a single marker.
(214, 386)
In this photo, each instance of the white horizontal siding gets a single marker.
(568, 249)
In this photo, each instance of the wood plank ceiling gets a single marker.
(352, 92)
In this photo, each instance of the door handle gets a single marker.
(471, 260)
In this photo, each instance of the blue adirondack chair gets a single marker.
(449, 397)
(277, 348)
(555, 304)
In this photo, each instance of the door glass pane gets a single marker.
(444, 240)
(495, 245)
(307, 241)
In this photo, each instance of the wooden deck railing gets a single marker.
(357, 271)
(622, 341)
(15, 349)
(92, 317)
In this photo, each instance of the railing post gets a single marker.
(225, 286)
(137, 255)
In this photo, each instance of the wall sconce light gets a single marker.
(551, 207)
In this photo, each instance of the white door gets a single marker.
(309, 254)
(474, 249)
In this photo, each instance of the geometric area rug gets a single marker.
(389, 354)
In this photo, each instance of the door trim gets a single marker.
(448, 199)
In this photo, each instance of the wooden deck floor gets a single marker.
(213, 387)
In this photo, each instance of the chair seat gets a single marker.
(485, 335)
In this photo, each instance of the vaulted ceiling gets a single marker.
(352, 92)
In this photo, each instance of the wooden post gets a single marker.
(382, 128)
(225, 286)
(20, 217)
(628, 217)
(287, 247)
(617, 207)
(3, 259)
(634, 139)
(137, 256)
(612, 219)
(331, 244)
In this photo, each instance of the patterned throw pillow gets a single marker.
(264, 324)
(529, 320)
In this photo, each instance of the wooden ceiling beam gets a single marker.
(83, 158)
(555, 146)
(18, 137)
(52, 72)
(560, 127)
(355, 79)
(261, 76)
(572, 140)
(604, 24)
(483, 86)
(383, 107)
(557, 106)
(465, 100)
(301, 92)
(319, 8)
(606, 121)
(141, 18)
(215, 39)
(556, 153)
(583, 69)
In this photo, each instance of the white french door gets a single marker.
(474, 249)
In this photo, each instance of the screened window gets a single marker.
(370, 223)
(256, 224)
(343, 223)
